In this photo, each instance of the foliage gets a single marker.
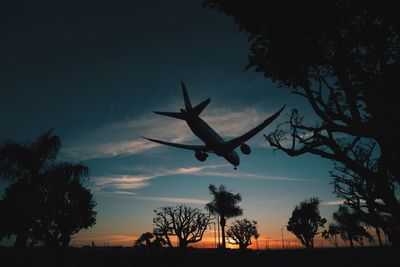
(150, 241)
(343, 57)
(332, 234)
(350, 225)
(46, 202)
(186, 223)
(224, 204)
(242, 231)
(306, 221)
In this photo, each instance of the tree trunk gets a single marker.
(350, 236)
(223, 222)
(378, 234)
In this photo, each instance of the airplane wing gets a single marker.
(234, 143)
(190, 147)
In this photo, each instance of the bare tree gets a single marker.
(242, 231)
(186, 223)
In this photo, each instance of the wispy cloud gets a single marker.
(127, 185)
(174, 200)
(122, 138)
(333, 202)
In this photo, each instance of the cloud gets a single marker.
(127, 185)
(174, 200)
(122, 138)
(333, 202)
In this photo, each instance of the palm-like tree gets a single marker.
(225, 204)
(44, 193)
(24, 163)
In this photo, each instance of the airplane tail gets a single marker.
(176, 115)
(200, 107)
(193, 110)
(188, 105)
(190, 111)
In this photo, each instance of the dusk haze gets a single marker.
(199, 131)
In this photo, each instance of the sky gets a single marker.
(94, 72)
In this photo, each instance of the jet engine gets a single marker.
(245, 149)
(201, 155)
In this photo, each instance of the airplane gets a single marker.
(213, 141)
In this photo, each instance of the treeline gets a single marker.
(46, 201)
(188, 224)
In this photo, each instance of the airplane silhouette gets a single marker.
(213, 142)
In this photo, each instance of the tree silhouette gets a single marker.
(186, 223)
(332, 234)
(359, 194)
(350, 225)
(144, 239)
(343, 58)
(149, 242)
(242, 231)
(306, 221)
(47, 202)
(225, 204)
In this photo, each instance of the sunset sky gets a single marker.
(94, 72)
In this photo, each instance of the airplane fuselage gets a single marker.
(212, 139)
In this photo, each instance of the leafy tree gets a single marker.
(150, 241)
(350, 225)
(306, 221)
(47, 202)
(332, 234)
(225, 204)
(186, 223)
(144, 239)
(242, 231)
(343, 57)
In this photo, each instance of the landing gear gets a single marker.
(235, 168)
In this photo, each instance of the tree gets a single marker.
(350, 225)
(224, 204)
(306, 221)
(47, 202)
(332, 234)
(242, 231)
(144, 239)
(343, 57)
(186, 223)
(149, 242)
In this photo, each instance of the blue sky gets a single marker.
(94, 71)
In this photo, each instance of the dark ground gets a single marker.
(118, 256)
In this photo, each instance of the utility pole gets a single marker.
(283, 241)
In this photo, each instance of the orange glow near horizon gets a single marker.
(208, 241)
